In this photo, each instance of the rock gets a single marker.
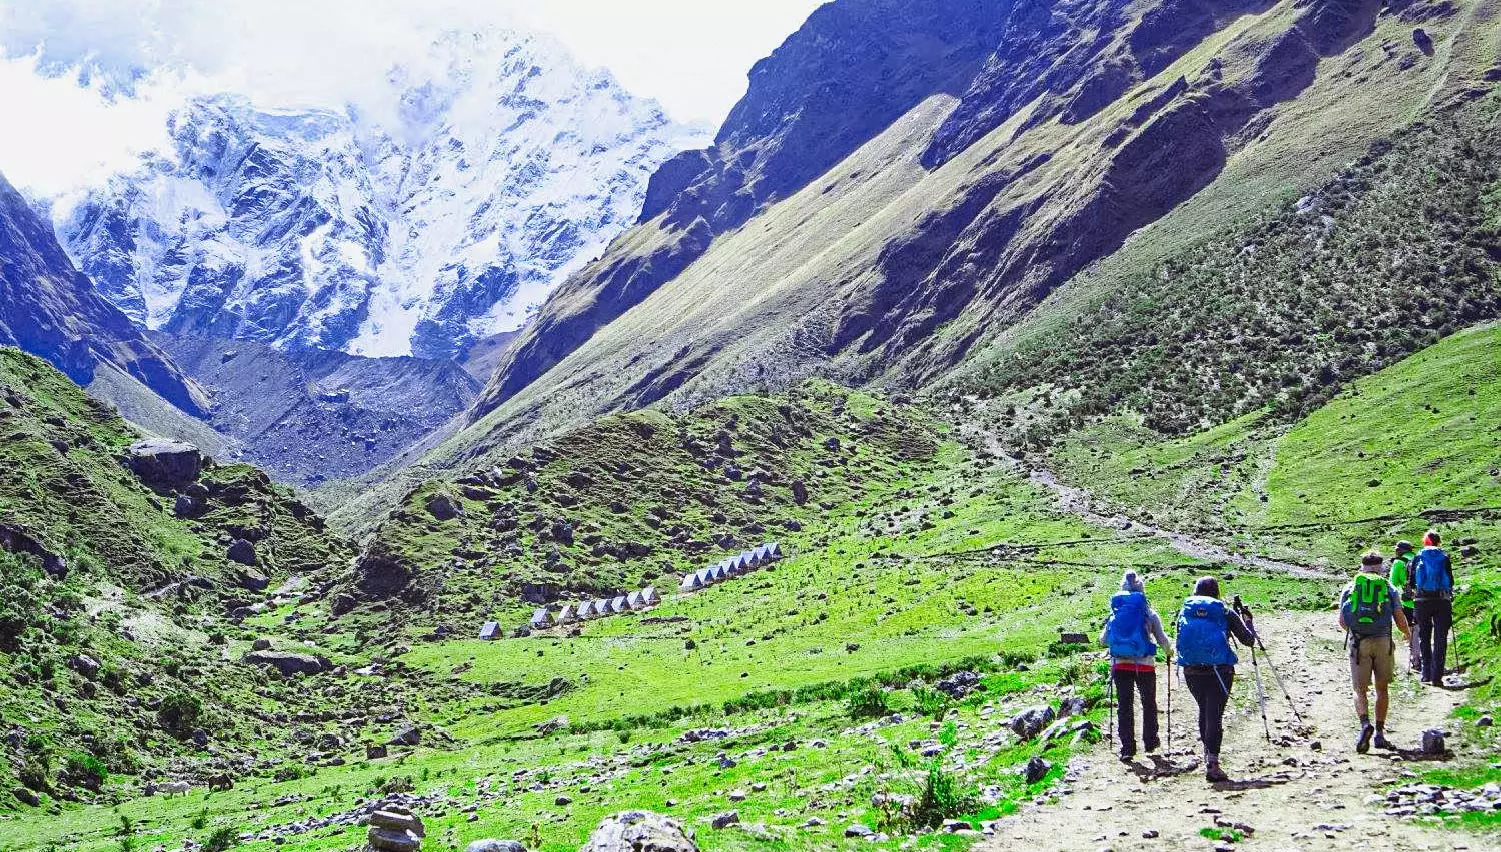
(84, 665)
(407, 736)
(859, 831)
(1433, 742)
(395, 829)
(343, 604)
(563, 801)
(251, 579)
(26, 797)
(199, 737)
(1469, 551)
(375, 752)
(243, 552)
(799, 492)
(1073, 706)
(1485, 722)
(552, 726)
(1030, 722)
(289, 663)
(639, 831)
(1036, 769)
(443, 506)
(188, 506)
(164, 464)
(262, 644)
(488, 845)
(958, 684)
(1423, 40)
(725, 820)
(737, 796)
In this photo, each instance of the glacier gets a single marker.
(418, 223)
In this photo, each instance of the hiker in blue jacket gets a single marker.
(1207, 661)
(1129, 632)
(1433, 592)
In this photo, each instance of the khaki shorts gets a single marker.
(1373, 656)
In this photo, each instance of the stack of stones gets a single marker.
(394, 828)
(1433, 800)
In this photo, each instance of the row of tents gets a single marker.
(545, 617)
(742, 563)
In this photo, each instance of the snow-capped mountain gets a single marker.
(414, 224)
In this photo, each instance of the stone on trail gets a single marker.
(1433, 742)
(639, 831)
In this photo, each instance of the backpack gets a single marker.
(1401, 576)
(1203, 637)
(1431, 571)
(1126, 634)
(1367, 607)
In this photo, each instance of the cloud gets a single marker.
(137, 59)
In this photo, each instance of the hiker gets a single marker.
(1129, 632)
(1400, 576)
(1367, 608)
(1208, 664)
(1433, 602)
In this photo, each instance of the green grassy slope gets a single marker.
(65, 487)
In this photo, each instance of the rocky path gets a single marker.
(1308, 790)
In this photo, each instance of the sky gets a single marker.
(77, 128)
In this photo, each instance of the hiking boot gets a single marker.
(1127, 756)
(1363, 743)
(1151, 745)
(1382, 742)
(1213, 773)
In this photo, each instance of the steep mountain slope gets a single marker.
(49, 309)
(308, 416)
(891, 267)
(501, 167)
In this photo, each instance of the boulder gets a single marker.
(1030, 722)
(1036, 770)
(407, 736)
(84, 665)
(261, 644)
(250, 579)
(395, 829)
(725, 820)
(344, 603)
(188, 506)
(488, 845)
(443, 506)
(26, 797)
(375, 752)
(639, 831)
(289, 663)
(958, 684)
(243, 552)
(1433, 742)
(165, 464)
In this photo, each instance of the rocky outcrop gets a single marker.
(394, 828)
(289, 663)
(49, 309)
(164, 464)
(640, 831)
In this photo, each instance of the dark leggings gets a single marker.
(1435, 617)
(1210, 688)
(1145, 683)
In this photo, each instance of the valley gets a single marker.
(969, 306)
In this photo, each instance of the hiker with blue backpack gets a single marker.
(1207, 661)
(1368, 607)
(1129, 633)
(1433, 593)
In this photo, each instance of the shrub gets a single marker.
(867, 702)
(223, 838)
(930, 702)
(180, 712)
(941, 798)
(85, 770)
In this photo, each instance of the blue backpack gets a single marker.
(1431, 571)
(1203, 639)
(1127, 632)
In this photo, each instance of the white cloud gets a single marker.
(691, 55)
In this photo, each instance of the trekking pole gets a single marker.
(1245, 613)
(1169, 705)
(1260, 696)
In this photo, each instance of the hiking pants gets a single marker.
(1414, 658)
(1435, 617)
(1210, 687)
(1145, 683)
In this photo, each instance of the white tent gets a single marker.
(490, 631)
(586, 610)
(634, 601)
(602, 608)
(566, 615)
(542, 618)
(773, 550)
(619, 605)
(691, 583)
(649, 596)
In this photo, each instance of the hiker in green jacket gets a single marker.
(1402, 580)
(1368, 607)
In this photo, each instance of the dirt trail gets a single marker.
(1294, 796)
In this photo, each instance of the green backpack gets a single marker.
(1368, 608)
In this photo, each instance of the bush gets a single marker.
(867, 702)
(930, 702)
(941, 798)
(85, 770)
(223, 838)
(180, 712)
